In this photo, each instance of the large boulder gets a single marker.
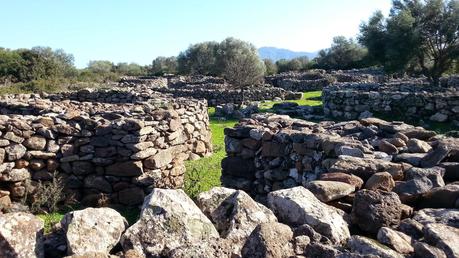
(297, 206)
(375, 209)
(380, 181)
(169, 219)
(441, 197)
(419, 181)
(427, 251)
(93, 230)
(367, 246)
(329, 190)
(444, 237)
(356, 181)
(448, 217)
(21, 235)
(234, 213)
(269, 240)
(397, 240)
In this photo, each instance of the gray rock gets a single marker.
(448, 217)
(398, 241)
(269, 240)
(367, 246)
(435, 156)
(418, 146)
(234, 214)
(169, 219)
(443, 237)
(15, 151)
(375, 209)
(35, 143)
(21, 235)
(329, 190)
(92, 230)
(297, 206)
(427, 251)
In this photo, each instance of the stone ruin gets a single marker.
(110, 145)
(408, 99)
(316, 80)
(272, 152)
(366, 188)
(217, 91)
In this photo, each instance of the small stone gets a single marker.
(399, 241)
(418, 146)
(380, 181)
(329, 190)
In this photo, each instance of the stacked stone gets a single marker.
(217, 94)
(413, 100)
(153, 81)
(272, 152)
(108, 151)
(315, 80)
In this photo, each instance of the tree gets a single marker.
(240, 64)
(199, 58)
(343, 54)
(418, 36)
(271, 67)
(129, 69)
(296, 64)
(164, 65)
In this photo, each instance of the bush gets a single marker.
(46, 196)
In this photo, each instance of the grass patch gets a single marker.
(203, 174)
(50, 220)
(308, 99)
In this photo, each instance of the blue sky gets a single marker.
(140, 30)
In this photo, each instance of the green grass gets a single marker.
(306, 100)
(50, 220)
(203, 174)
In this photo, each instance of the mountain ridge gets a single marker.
(276, 54)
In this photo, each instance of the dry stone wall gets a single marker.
(112, 150)
(272, 152)
(413, 100)
(316, 80)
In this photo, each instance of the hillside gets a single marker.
(276, 54)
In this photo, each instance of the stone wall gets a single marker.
(315, 80)
(101, 150)
(272, 152)
(413, 100)
(151, 81)
(217, 94)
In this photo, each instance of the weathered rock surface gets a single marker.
(448, 217)
(375, 209)
(21, 235)
(234, 213)
(380, 181)
(443, 237)
(356, 181)
(297, 206)
(398, 241)
(367, 246)
(169, 219)
(269, 240)
(329, 190)
(95, 230)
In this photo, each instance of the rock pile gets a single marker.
(229, 223)
(108, 151)
(271, 152)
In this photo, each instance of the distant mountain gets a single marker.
(276, 54)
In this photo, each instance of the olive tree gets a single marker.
(418, 35)
(240, 64)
